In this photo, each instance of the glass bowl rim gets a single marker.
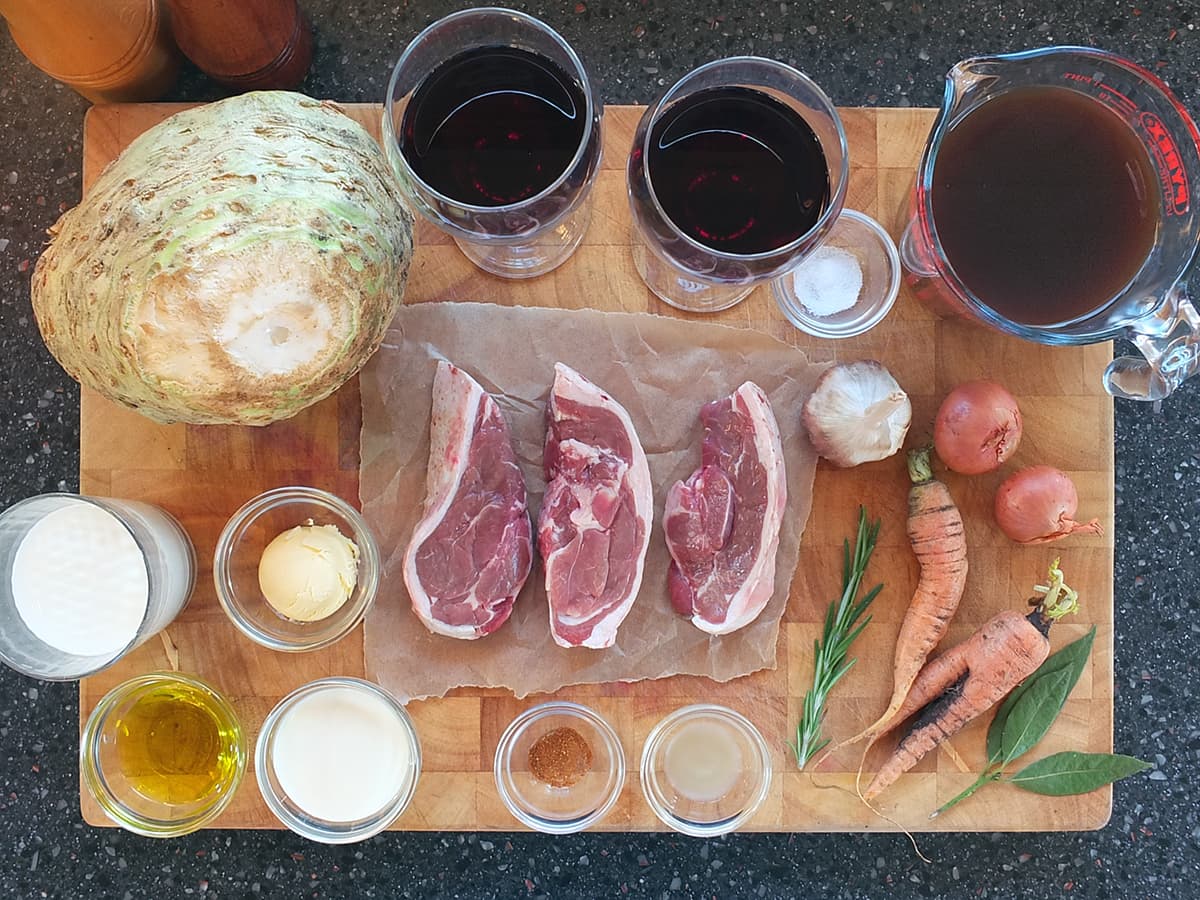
(653, 744)
(306, 828)
(502, 765)
(93, 779)
(793, 310)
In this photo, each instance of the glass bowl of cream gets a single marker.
(338, 760)
(705, 770)
(296, 568)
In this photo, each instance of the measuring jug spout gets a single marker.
(965, 79)
(1169, 341)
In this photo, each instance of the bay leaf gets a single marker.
(1034, 713)
(1073, 657)
(1071, 772)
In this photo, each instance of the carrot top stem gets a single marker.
(920, 469)
(1057, 599)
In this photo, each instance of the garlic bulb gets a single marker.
(857, 413)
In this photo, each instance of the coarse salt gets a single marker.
(828, 282)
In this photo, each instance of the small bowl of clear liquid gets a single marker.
(705, 770)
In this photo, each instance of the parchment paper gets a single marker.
(661, 370)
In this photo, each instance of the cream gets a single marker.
(341, 754)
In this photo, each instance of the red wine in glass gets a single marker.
(493, 126)
(737, 170)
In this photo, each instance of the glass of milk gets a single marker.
(85, 580)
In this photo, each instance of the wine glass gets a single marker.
(492, 128)
(737, 174)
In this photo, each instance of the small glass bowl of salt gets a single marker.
(847, 285)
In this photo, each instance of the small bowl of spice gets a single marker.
(296, 568)
(847, 285)
(559, 767)
(705, 770)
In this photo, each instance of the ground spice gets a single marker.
(560, 758)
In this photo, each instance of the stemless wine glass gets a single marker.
(690, 273)
(492, 128)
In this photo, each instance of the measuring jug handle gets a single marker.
(1170, 344)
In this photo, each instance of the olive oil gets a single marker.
(173, 745)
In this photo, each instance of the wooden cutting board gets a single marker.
(202, 474)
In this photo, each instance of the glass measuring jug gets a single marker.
(1152, 308)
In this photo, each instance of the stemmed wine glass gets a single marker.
(737, 174)
(492, 128)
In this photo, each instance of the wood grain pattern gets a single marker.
(203, 474)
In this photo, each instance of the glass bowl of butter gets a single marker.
(296, 568)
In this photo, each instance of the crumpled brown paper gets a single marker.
(661, 370)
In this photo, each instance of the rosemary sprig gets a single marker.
(842, 626)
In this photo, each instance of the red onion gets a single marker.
(977, 427)
(1038, 505)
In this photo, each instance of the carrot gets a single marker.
(938, 676)
(935, 530)
(972, 677)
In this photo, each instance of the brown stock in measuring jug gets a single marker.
(1056, 202)
(1046, 203)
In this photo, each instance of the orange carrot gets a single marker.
(935, 530)
(972, 677)
(938, 676)
(993, 661)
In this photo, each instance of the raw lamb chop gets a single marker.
(594, 525)
(472, 549)
(722, 524)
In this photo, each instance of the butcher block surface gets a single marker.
(203, 473)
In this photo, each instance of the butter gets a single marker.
(308, 572)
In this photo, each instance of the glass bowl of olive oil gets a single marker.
(163, 754)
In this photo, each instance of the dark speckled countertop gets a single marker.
(869, 53)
